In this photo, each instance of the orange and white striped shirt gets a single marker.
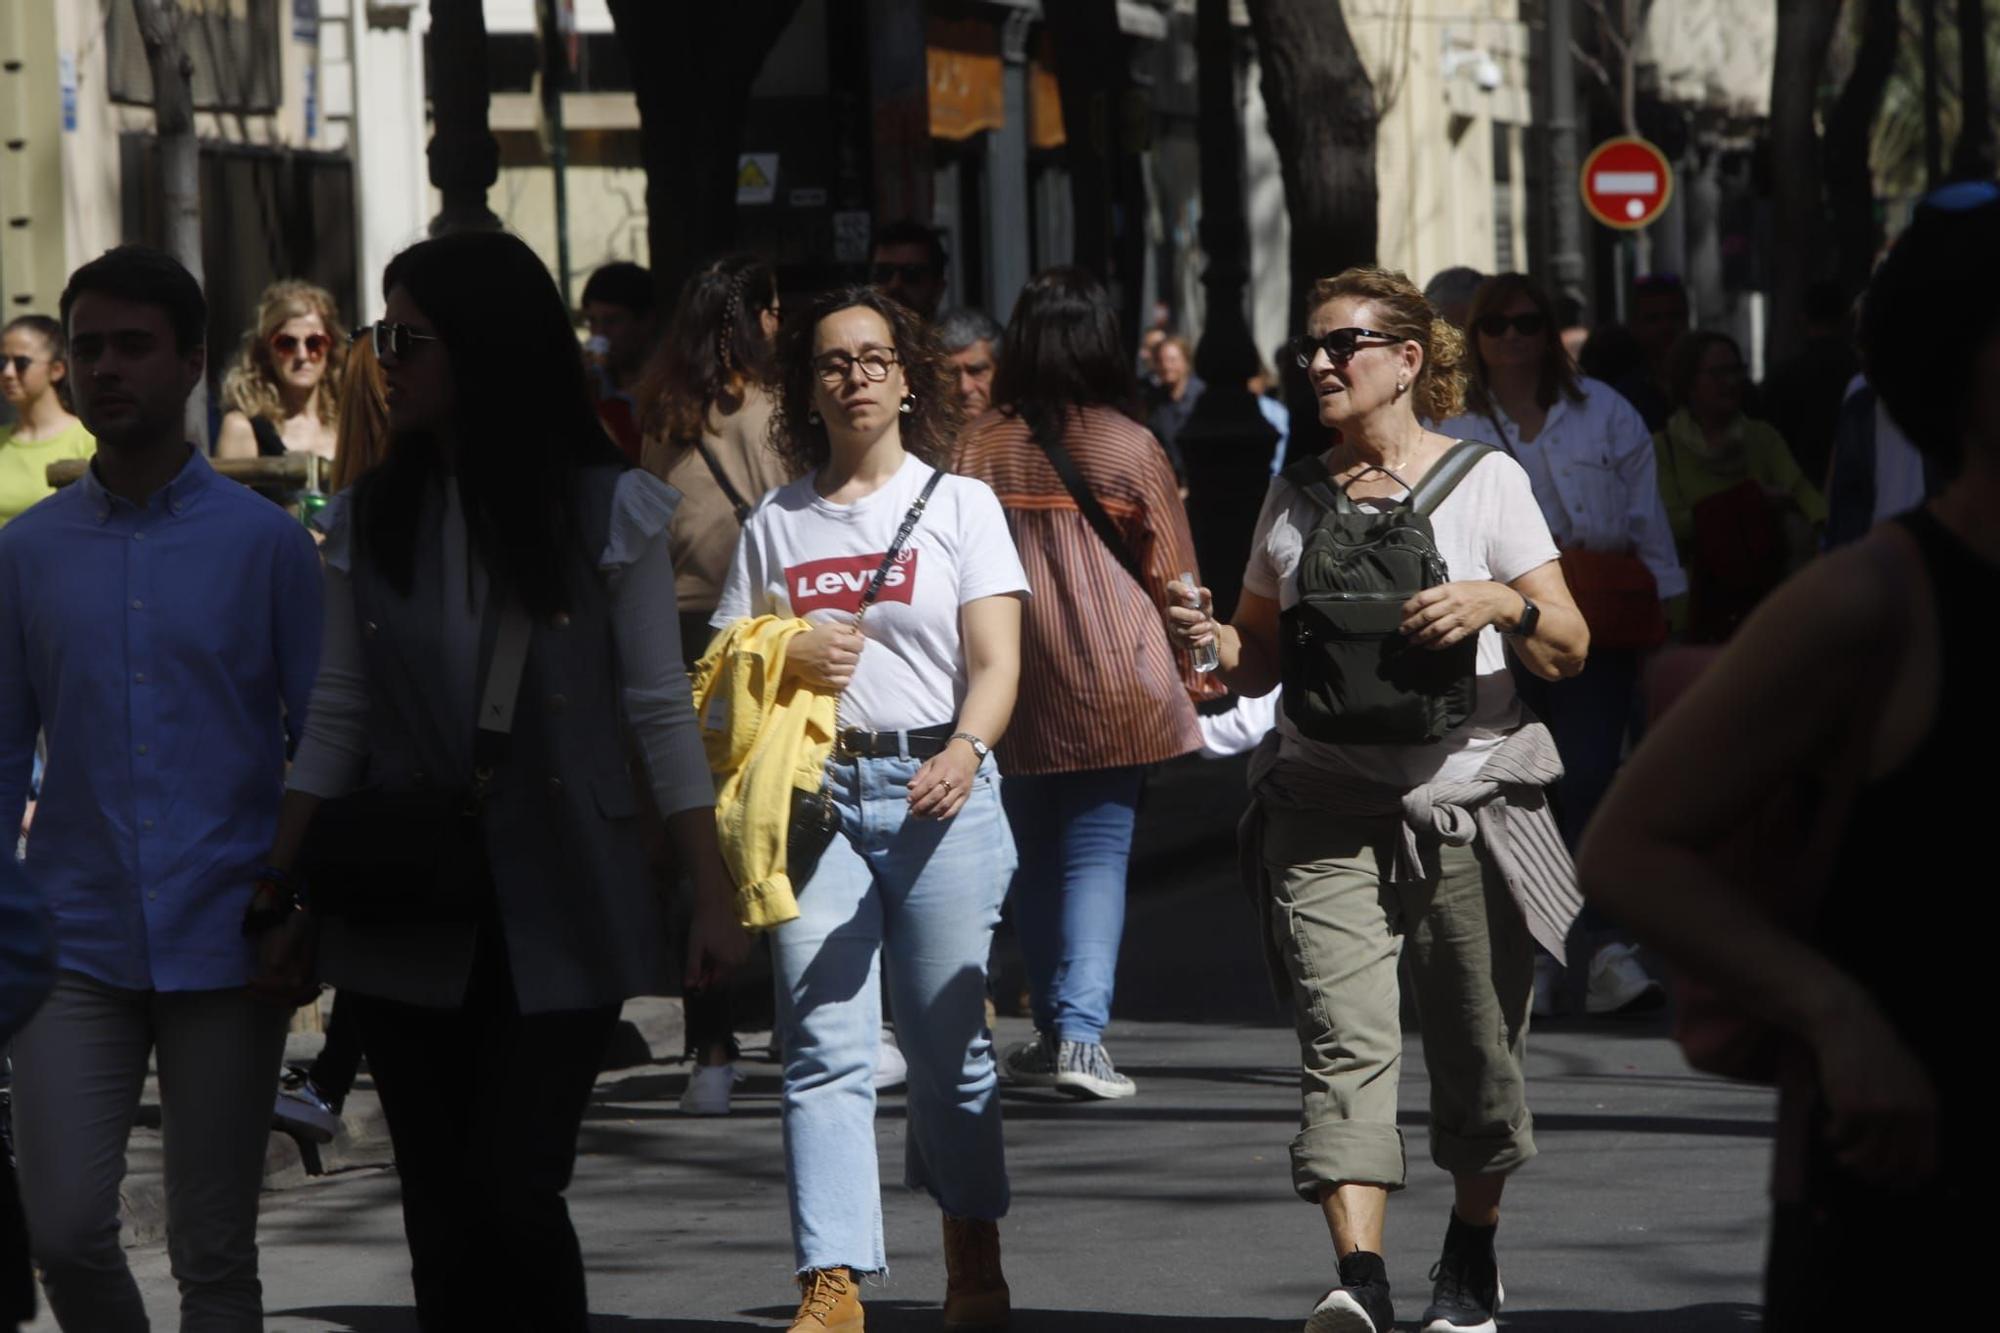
(1101, 684)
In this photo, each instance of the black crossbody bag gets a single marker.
(1091, 508)
(815, 818)
(416, 857)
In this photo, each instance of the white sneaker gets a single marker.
(891, 1069)
(1619, 985)
(1548, 984)
(304, 1112)
(708, 1090)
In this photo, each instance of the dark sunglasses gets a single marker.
(881, 273)
(20, 363)
(316, 345)
(1529, 325)
(397, 340)
(1338, 344)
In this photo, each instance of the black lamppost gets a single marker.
(1227, 444)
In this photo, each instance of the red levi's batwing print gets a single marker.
(837, 584)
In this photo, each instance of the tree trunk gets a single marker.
(162, 23)
(1321, 105)
(1104, 130)
(1805, 29)
(464, 155)
(1850, 185)
(692, 68)
(1975, 156)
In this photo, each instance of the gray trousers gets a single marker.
(1341, 929)
(79, 1068)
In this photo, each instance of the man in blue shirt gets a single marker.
(160, 625)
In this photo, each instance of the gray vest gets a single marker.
(578, 902)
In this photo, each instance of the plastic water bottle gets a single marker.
(1206, 656)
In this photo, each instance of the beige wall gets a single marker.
(1434, 157)
(607, 215)
(33, 258)
(1434, 163)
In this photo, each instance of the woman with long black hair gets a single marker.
(503, 534)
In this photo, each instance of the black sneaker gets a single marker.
(1465, 1290)
(1360, 1304)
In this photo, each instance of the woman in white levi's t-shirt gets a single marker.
(1342, 900)
(923, 855)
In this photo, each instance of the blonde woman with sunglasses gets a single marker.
(279, 395)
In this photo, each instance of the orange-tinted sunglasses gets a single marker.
(316, 345)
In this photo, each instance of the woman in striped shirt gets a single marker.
(1103, 694)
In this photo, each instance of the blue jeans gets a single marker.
(1075, 834)
(923, 895)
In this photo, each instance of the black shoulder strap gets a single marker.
(1311, 476)
(1093, 512)
(270, 444)
(1443, 478)
(729, 491)
(896, 546)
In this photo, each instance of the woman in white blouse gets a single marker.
(1590, 458)
(502, 515)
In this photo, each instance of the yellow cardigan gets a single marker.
(765, 737)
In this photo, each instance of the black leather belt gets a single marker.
(919, 742)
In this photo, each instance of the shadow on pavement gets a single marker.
(910, 1316)
(1725, 1317)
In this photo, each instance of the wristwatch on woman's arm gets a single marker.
(979, 748)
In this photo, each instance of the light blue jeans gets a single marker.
(925, 896)
(1075, 834)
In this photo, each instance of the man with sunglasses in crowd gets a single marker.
(908, 262)
(160, 626)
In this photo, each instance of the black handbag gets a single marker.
(418, 857)
(815, 818)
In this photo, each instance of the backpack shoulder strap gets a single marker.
(1443, 479)
(1309, 475)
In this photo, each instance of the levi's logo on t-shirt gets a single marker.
(837, 584)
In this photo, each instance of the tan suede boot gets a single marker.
(975, 1293)
(828, 1302)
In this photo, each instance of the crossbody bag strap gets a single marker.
(896, 546)
(1087, 503)
(1443, 479)
(502, 694)
(729, 491)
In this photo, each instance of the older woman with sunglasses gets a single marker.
(1590, 457)
(280, 393)
(1344, 839)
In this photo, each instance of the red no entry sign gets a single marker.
(1626, 183)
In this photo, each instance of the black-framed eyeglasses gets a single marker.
(1529, 324)
(20, 363)
(834, 367)
(397, 340)
(1338, 344)
(881, 273)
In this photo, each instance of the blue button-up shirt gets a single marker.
(166, 650)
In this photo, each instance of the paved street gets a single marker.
(1173, 1211)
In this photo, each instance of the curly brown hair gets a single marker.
(929, 429)
(1402, 311)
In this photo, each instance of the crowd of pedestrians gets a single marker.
(853, 626)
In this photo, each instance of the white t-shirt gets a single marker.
(1489, 527)
(802, 555)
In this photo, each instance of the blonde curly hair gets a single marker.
(251, 386)
(1402, 312)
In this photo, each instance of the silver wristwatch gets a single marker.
(979, 747)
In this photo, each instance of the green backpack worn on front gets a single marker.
(1350, 675)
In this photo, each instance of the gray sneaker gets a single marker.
(1085, 1068)
(1032, 1064)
